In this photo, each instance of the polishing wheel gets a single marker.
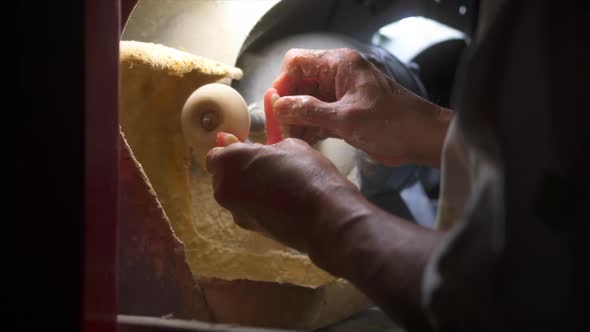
(210, 109)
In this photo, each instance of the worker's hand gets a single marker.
(279, 190)
(337, 93)
(292, 193)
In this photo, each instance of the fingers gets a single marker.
(217, 156)
(308, 72)
(311, 82)
(224, 139)
(229, 187)
(307, 111)
(228, 167)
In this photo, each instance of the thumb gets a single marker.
(224, 139)
(306, 111)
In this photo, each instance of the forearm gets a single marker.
(384, 256)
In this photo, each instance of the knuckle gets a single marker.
(237, 153)
(295, 145)
(291, 141)
(350, 58)
(291, 53)
(292, 56)
(351, 54)
(356, 58)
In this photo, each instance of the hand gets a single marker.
(280, 190)
(292, 193)
(337, 93)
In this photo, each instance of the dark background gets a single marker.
(50, 164)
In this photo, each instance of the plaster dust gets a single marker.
(155, 82)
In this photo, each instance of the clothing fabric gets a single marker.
(513, 182)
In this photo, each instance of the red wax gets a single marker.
(273, 129)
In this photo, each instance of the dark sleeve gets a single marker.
(514, 259)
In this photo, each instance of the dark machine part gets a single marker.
(436, 67)
(358, 19)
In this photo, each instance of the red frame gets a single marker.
(103, 22)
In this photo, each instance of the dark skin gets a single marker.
(292, 193)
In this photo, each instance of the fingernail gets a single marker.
(224, 139)
(230, 139)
